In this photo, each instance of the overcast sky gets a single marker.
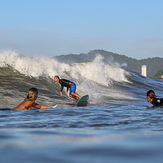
(54, 27)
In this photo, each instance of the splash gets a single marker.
(96, 70)
(28, 66)
(101, 73)
(94, 77)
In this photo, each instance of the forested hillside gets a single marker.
(153, 64)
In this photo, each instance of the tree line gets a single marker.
(153, 64)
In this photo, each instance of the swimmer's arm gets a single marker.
(67, 90)
(35, 105)
(61, 88)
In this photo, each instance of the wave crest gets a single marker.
(95, 70)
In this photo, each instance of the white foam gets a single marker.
(95, 71)
(90, 75)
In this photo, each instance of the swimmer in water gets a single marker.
(151, 97)
(29, 102)
(68, 84)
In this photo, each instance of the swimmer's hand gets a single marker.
(61, 94)
(66, 91)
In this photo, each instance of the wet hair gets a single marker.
(56, 76)
(151, 94)
(32, 93)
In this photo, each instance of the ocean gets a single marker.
(117, 125)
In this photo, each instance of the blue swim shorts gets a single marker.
(72, 88)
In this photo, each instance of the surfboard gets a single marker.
(83, 100)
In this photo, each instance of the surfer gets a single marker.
(151, 97)
(29, 102)
(68, 84)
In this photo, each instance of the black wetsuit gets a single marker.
(68, 84)
(65, 83)
(157, 102)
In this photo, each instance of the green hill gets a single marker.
(153, 64)
(158, 74)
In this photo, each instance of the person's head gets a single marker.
(32, 94)
(56, 78)
(150, 95)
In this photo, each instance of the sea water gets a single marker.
(118, 125)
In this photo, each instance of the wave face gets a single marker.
(105, 83)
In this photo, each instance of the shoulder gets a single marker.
(24, 105)
(61, 80)
(64, 80)
(157, 102)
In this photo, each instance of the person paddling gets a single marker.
(29, 102)
(68, 84)
(151, 97)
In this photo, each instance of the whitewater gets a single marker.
(117, 125)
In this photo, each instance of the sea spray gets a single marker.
(95, 78)
(95, 70)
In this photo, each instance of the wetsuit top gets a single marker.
(157, 102)
(65, 83)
